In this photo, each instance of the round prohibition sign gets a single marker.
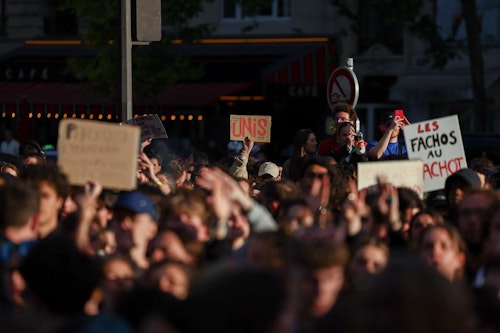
(342, 87)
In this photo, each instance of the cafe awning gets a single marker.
(180, 94)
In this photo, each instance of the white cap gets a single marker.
(269, 168)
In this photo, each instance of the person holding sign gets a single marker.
(388, 147)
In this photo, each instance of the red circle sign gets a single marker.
(342, 87)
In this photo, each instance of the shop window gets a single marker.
(374, 30)
(60, 22)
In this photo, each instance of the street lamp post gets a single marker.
(147, 28)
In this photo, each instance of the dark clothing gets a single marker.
(349, 155)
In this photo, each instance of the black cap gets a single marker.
(467, 175)
(31, 148)
(387, 117)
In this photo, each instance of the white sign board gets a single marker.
(95, 150)
(438, 143)
(151, 127)
(398, 173)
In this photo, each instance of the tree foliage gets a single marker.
(154, 65)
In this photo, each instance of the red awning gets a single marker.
(181, 94)
(311, 67)
(49, 93)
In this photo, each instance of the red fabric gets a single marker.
(328, 145)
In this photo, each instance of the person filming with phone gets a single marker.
(352, 146)
(389, 147)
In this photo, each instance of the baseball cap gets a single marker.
(387, 117)
(137, 202)
(469, 176)
(437, 199)
(31, 148)
(269, 168)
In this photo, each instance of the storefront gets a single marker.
(282, 77)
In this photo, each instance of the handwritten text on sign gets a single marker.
(256, 128)
(437, 142)
(93, 150)
(151, 127)
(398, 173)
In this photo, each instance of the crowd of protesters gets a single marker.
(243, 244)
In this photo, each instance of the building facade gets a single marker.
(274, 63)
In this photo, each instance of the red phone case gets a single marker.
(399, 113)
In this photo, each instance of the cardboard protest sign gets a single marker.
(94, 150)
(151, 126)
(398, 173)
(438, 143)
(256, 128)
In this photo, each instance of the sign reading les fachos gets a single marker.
(437, 142)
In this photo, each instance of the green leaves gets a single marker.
(154, 66)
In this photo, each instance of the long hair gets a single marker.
(299, 154)
(299, 141)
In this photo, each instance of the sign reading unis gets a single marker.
(256, 128)
(438, 143)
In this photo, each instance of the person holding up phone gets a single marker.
(342, 112)
(389, 147)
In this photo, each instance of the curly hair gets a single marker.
(50, 173)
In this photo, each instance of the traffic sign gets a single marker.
(342, 87)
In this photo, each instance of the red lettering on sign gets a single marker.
(246, 124)
(428, 127)
(236, 130)
(442, 168)
(262, 124)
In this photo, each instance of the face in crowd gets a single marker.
(368, 259)
(346, 135)
(444, 249)
(342, 117)
(471, 217)
(310, 145)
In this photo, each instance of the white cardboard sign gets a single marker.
(95, 150)
(151, 126)
(438, 143)
(399, 173)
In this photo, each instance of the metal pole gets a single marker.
(350, 63)
(126, 46)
